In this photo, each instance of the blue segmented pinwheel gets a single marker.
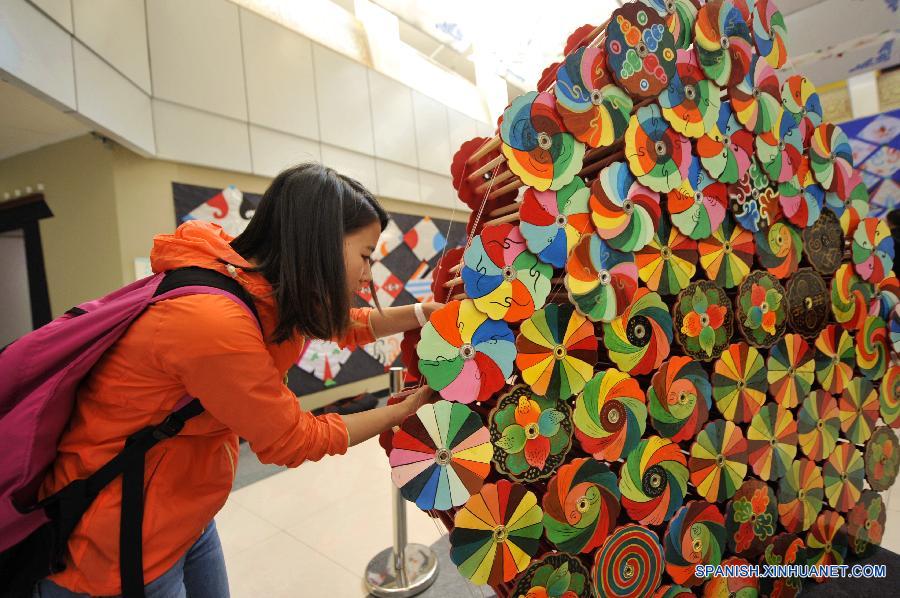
(756, 99)
(831, 158)
(600, 280)
(553, 222)
(724, 42)
(679, 16)
(801, 206)
(691, 101)
(624, 212)
(699, 204)
(780, 151)
(658, 155)
(799, 97)
(853, 209)
(726, 149)
(770, 33)
(873, 250)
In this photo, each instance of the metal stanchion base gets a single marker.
(382, 578)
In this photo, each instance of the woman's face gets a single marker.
(358, 248)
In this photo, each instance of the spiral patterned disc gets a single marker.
(557, 574)
(780, 150)
(872, 350)
(882, 459)
(756, 98)
(888, 397)
(698, 206)
(826, 541)
(779, 247)
(886, 298)
(727, 254)
(610, 415)
(823, 242)
(581, 505)
(800, 495)
(640, 50)
(640, 339)
(873, 250)
(669, 260)
(772, 441)
(724, 42)
(808, 305)
(552, 222)
(739, 382)
(831, 158)
(865, 523)
(753, 199)
(624, 212)
(679, 398)
(800, 99)
(770, 33)
(792, 369)
(718, 462)
(844, 474)
(592, 107)
(728, 586)
(818, 423)
(653, 481)
(679, 16)
(762, 309)
(784, 549)
(726, 148)
(751, 518)
(696, 536)
(835, 359)
(704, 321)
(658, 155)
(600, 280)
(859, 409)
(850, 210)
(691, 101)
(850, 297)
(630, 563)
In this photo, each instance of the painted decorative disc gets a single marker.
(800, 99)
(886, 298)
(823, 242)
(895, 330)
(852, 209)
(800, 495)
(464, 355)
(600, 280)
(658, 155)
(581, 505)
(792, 370)
(730, 586)
(808, 305)
(536, 144)
(882, 459)
(726, 148)
(888, 397)
(640, 50)
(751, 518)
(844, 474)
(739, 382)
(835, 359)
(718, 462)
(779, 247)
(859, 409)
(818, 423)
(630, 563)
(653, 481)
(770, 33)
(831, 158)
(679, 398)
(772, 441)
(691, 101)
(784, 549)
(496, 533)
(724, 42)
(850, 297)
(756, 98)
(753, 199)
(826, 542)
(704, 321)
(727, 254)
(556, 351)
(624, 212)
(762, 309)
(640, 339)
(873, 250)
(592, 107)
(552, 222)
(557, 574)
(679, 16)
(610, 415)
(802, 206)
(695, 536)
(698, 206)
(872, 350)
(669, 261)
(440, 456)
(673, 591)
(865, 523)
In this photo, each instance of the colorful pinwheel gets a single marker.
(792, 369)
(695, 536)
(823, 241)
(640, 339)
(780, 150)
(882, 459)
(704, 321)
(464, 355)
(718, 462)
(668, 262)
(552, 222)
(739, 382)
(800, 495)
(624, 212)
(640, 50)
(630, 563)
(772, 441)
(858, 407)
(801, 206)
(691, 101)
(600, 280)
(770, 33)
(850, 298)
(699, 204)
(779, 247)
(653, 481)
(679, 16)
(826, 542)
(504, 279)
(844, 474)
(756, 98)
(557, 575)
(835, 359)
(679, 398)
(894, 325)
(657, 154)
(888, 396)
(854, 208)
(724, 42)
(865, 523)
(886, 298)
(762, 309)
(872, 351)
(726, 148)
(831, 158)
(536, 144)
(800, 99)
(818, 423)
(751, 518)
(610, 415)
(732, 584)
(873, 250)
(727, 254)
(673, 591)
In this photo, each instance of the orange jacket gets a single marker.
(211, 348)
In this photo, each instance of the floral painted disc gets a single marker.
(555, 575)
(882, 459)
(727, 586)
(624, 212)
(844, 474)
(865, 523)
(718, 461)
(751, 518)
(772, 441)
(653, 481)
(610, 415)
(679, 398)
(888, 397)
(808, 305)
(640, 50)
(859, 409)
(800, 495)
(630, 563)
(779, 248)
(823, 243)
(784, 549)
(658, 155)
(739, 382)
(600, 280)
(873, 250)
(756, 98)
(696, 536)
(691, 101)
(826, 541)
(727, 255)
(872, 349)
(818, 423)
(724, 42)
(698, 206)
(552, 222)
(704, 321)
(668, 262)
(831, 158)
(726, 148)
(640, 339)
(792, 370)
(679, 16)
(850, 296)
(762, 309)
(770, 33)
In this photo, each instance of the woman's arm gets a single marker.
(365, 425)
(392, 320)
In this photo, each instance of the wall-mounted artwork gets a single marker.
(875, 141)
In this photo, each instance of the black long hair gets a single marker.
(296, 239)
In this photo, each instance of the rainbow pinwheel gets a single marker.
(739, 382)
(780, 150)
(852, 209)
(718, 461)
(779, 248)
(679, 398)
(610, 415)
(726, 149)
(844, 473)
(727, 254)
(770, 33)
(872, 349)
(873, 250)
(640, 50)
(802, 207)
(826, 542)
(801, 493)
(552, 222)
(886, 298)
(831, 158)
(889, 397)
(557, 575)
(600, 280)
(792, 369)
(772, 441)
(800, 99)
(630, 563)
(698, 205)
(668, 262)
(679, 16)
(724, 42)
(640, 339)
(536, 144)
(865, 523)
(653, 481)
(818, 423)
(657, 154)
(704, 320)
(691, 101)
(751, 518)
(624, 212)
(858, 407)
(835, 359)
(756, 98)
(882, 459)
(850, 297)
(695, 536)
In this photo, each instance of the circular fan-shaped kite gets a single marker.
(556, 351)
(727, 254)
(886, 298)
(679, 16)
(800, 99)
(739, 382)
(669, 261)
(779, 247)
(801, 206)
(673, 591)
(531, 435)
(624, 212)
(640, 50)
(850, 297)
(818, 423)
(770, 33)
(772, 441)
(792, 369)
(859, 407)
(826, 542)
(831, 158)
(691, 101)
(873, 250)
(600, 280)
(441, 456)
(610, 415)
(784, 549)
(872, 348)
(882, 459)
(504, 279)
(718, 462)
(728, 586)
(592, 107)
(552, 222)
(581, 505)
(679, 398)
(800, 495)
(807, 303)
(756, 98)
(704, 321)
(835, 359)
(557, 575)
(653, 481)
(852, 209)
(695, 536)
(865, 523)
(639, 340)
(762, 309)
(537, 146)
(844, 474)
(888, 397)
(724, 42)
(630, 564)
(657, 154)
(726, 149)
(823, 242)
(751, 518)
(699, 204)
(464, 355)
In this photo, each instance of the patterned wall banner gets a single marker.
(875, 141)
(407, 253)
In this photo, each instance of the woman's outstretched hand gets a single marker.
(416, 398)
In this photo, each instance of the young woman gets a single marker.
(304, 254)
